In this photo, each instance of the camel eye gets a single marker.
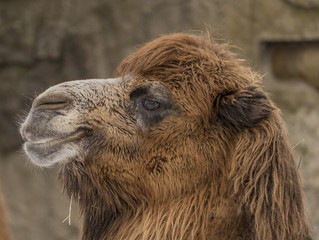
(150, 105)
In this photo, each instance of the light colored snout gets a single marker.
(60, 116)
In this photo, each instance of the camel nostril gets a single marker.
(51, 102)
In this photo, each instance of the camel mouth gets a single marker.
(49, 151)
(52, 142)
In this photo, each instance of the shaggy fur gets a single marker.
(257, 181)
(207, 159)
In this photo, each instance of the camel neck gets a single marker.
(183, 218)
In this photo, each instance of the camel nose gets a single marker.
(51, 101)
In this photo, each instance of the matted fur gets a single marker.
(217, 165)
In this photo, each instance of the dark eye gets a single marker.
(150, 105)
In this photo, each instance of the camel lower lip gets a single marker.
(43, 149)
(46, 153)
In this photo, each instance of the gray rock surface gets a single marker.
(46, 42)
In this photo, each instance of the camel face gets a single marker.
(64, 114)
(126, 128)
(79, 119)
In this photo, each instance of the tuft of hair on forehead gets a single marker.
(196, 58)
(170, 51)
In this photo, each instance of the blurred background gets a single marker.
(44, 42)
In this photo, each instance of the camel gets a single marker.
(4, 232)
(182, 143)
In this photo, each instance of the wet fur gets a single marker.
(237, 177)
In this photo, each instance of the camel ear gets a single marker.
(244, 108)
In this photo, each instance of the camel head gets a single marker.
(182, 117)
(154, 121)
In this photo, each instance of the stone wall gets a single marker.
(46, 42)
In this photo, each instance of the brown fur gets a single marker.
(215, 165)
(4, 232)
(257, 177)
